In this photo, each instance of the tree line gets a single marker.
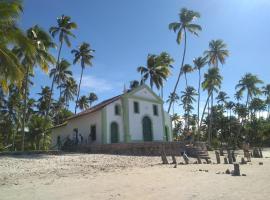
(25, 122)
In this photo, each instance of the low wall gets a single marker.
(145, 148)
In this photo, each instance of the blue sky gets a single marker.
(123, 32)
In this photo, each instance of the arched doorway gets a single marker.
(147, 129)
(114, 132)
(167, 133)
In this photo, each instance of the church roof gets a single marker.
(96, 107)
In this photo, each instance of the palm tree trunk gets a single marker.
(24, 105)
(186, 79)
(180, 71)
(198, 107)
(53, 80)
(211, 118)
(76, 103)
(209, 95)
(161, 92)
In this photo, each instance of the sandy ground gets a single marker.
(85, 176)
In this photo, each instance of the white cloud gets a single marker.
(95, 84)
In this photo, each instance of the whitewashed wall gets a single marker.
(111, 117)
(135, 120)
(168, 123)
(83, 125)
(59, 131)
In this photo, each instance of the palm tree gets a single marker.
(83, 55)
(217, 53)
(174, 98)
(211, 83)
(266, 92)
(257, 105)
(199, 63)
(184, 25)
(41, 41)
(238, 96)
(63, 29)
(222, 97)
(11, 71)
(157, 69)
(230, 105)
(83, 103)
(188, 98)
(92, 98)
(61, 74)
(186, 69)
(249, 83)
(69, 90)
(43, 101)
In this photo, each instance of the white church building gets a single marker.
(134, 116)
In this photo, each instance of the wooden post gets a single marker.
(199, 160)
(225, 160)
(217, 157)
(243, 161)
(173, 159)
(233, 156)
(221, 152)
(256, 153)
(236, 171)
(260, 151)
(230, 157)
(163, 156)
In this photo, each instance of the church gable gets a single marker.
(144, 92)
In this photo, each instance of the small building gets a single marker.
(134, 116)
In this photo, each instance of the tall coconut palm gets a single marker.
(83, 103)
(69, 90)
(174, 98)
(64, 30)
(84, 56)
(61, 74)
(185, 70)
(157, 69)
(217, 53)
(92, 98)
(249, 83)
(184, 25)
(41, 42)
(211, 83)
(199, 63)
(188, 98)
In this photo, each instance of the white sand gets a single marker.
(85, 176)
